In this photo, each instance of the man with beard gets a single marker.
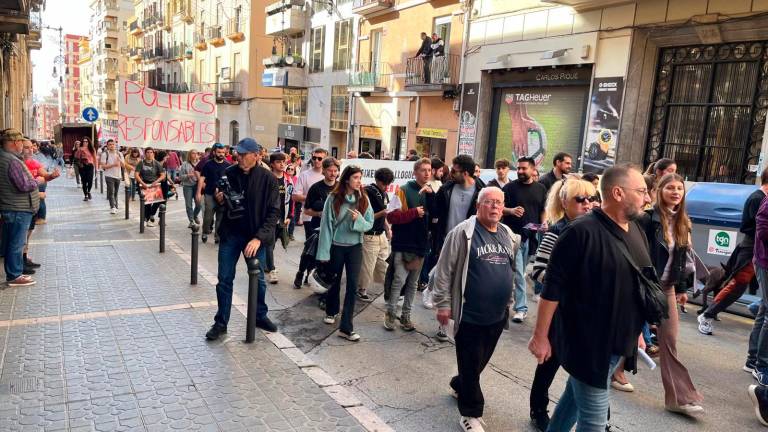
(561, 165)
(524, 201)
(210, 173)
(591, 289)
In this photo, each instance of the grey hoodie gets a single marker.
(450, 277)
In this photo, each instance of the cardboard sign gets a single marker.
(153, 194)
(151, 118)
(721, 242)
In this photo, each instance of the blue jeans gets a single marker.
(134, 188)
(758, 338)
(230, 249)
(521, 259)
(193, 208)
(172, 175)
(15, 227)
(42, 212)
(583, 405)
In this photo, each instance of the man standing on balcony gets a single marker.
(425, 52)
(437, 48)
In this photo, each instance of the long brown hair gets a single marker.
(681, 223)
(340, 191)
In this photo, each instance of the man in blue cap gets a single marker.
(247, 227)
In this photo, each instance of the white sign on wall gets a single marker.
(721, 242)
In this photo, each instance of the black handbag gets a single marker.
(653, 301)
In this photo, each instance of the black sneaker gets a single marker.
(759, 396)
(266, 324)
(28, 271)
(363, 296)
(215, 332)
(204, 238)
(321, 302)
(540, 419)
(31, 264)
(297, 280)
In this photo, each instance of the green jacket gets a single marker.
(343, 232)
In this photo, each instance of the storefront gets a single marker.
(303, 138)
(370, 140)
(431, 142)
(538, 113)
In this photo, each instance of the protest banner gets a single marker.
(151, 118)
(153, 194)
(403, 171)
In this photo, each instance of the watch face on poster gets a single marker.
(153, 194)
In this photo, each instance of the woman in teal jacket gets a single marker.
(347, 215)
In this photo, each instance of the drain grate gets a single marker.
(20, 385)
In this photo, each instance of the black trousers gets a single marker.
(86, 175)
(474, 347)
(542, 380)
(349, 259)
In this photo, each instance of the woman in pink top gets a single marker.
(172, 164)
(85, 157)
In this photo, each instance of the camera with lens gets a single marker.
(234, 201)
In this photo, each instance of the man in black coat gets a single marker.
(425, 52)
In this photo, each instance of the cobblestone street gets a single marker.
(111, 338)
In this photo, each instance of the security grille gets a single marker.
(709, 110)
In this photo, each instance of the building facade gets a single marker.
(71, 89)
(109, 18)
(619, 81)
(402, 100)
(20, 27)
(46, 117)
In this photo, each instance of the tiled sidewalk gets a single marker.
(111, 338)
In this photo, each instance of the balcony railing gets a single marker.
(173, 87)
(213, 32)
(199, 39)
(285, 18)
(432, 73)
(135, 28)
(134, 77)
(227, 90)
(236, 29)
(370, 77)
(367, 7)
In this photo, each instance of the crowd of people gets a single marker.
(610, 259)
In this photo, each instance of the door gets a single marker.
(376, 41)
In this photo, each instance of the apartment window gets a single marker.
(235, 65)
(342, 39)
(443, 30)
(217, 68)
(234, 133)
(316, 46)
(201, 72)
(339, 108)
(294, 106)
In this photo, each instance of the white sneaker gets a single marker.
(150, 223)
(273, 276)
(519, 317)
(113, 211)
(472, 424)
(329, 319)
(687, 409)
(705, 325)
(426, 299)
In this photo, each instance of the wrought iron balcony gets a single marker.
(371, 77)
(367, 7)
(213, 36)
(227, 91)
(432, 73)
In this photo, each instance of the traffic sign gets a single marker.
(90, 114)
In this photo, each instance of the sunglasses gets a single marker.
(317, 158)
(582, 199)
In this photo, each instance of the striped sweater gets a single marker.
(541, 260)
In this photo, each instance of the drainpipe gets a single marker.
(462, 73)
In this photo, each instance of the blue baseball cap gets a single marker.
(248, 145)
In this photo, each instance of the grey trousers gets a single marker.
(402, 278)
(211, 209)
(113, 188)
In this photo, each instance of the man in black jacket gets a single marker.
(456, 200)
(561, 166)
(592, 292)
(425, 53)
(245, 231)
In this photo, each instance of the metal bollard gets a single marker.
(127, 201)
(141, 212)
(162, 228)
(195, 246)
(101, 182)
(253, 289)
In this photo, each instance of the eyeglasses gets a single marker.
(581, 199)
(317, 158)
(492, 203)
(641, 191)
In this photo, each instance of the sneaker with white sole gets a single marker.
(273, 277)
(352, 337)
(472, 424)
(329, 319)
(705, 325)
(113, 210)
(519, 317)
(21, 281)
(748, 367)
(759, 397)
(150, 223)
(426, 299)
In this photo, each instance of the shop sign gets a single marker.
(291, 132)
(468, 121)
(371, 132)
(603, 132)
(432, 133)
(721, 242)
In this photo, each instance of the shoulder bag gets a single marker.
(653, 301)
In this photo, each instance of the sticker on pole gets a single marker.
(721, 242)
